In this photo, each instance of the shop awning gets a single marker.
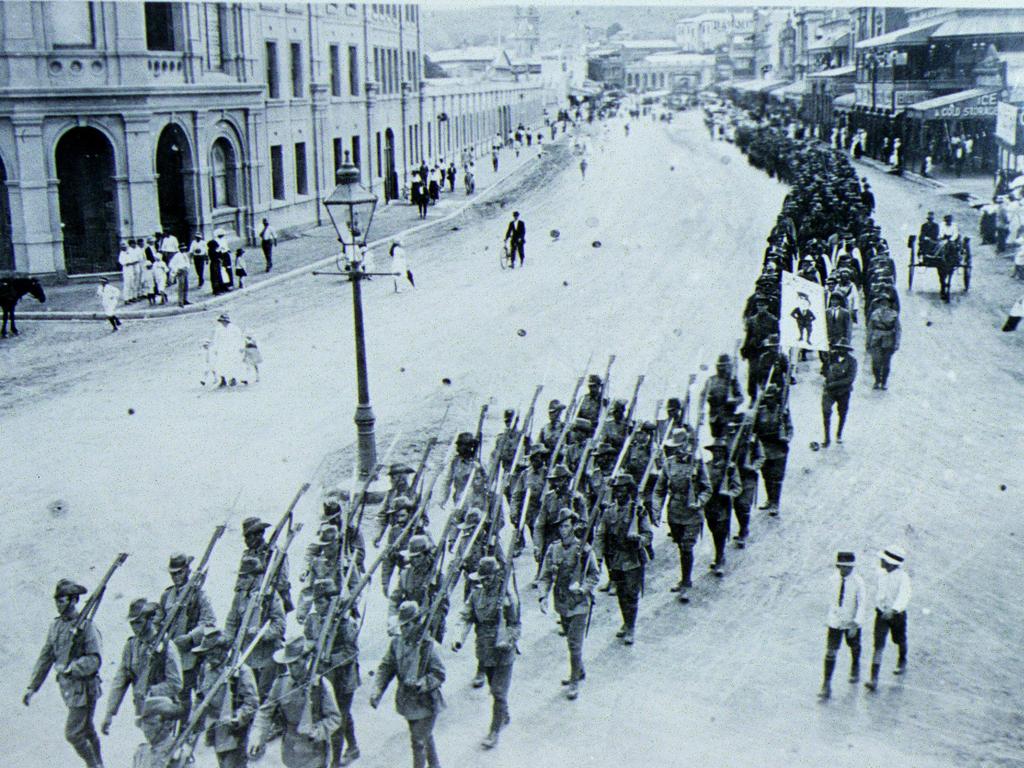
(828, 43)
(793, 91)
(844, 102)
(917, 34)
(837, 72)
(982, 25)
(760, 86)
(976, 102)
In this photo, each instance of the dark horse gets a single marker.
(947, 258)
(11, 291)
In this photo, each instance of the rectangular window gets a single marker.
(296, 50)
(380, 170)
(356, 157)
(69, 24)
(335, 71)
(339, 157)
(273, 85)
(160, 18)
(277, 172)
(301, 182)
(376, 65)
(223, 36)
(353, 70)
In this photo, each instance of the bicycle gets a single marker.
(507, 260)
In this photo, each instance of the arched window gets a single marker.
(222, 174)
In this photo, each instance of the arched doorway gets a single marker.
(175, 183)
(88, 205)
(390, 174)
(6, 242)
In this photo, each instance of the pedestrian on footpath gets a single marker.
(268, 239)
(891, 599)
(179, 275)
(240, 271)
(400, 266)
(168, 247)
(124, 258)
(494, 160)
(847, 612)
(160, 275)
(583, 168)
(109, 296)
(199, 258)
(840, 373)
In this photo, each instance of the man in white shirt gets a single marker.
(948, 228)
(268, 239)
(168, 247)
(891, 601)
(179, 275)
(846, 613)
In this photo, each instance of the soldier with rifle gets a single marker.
(724, 395)
(349, 545)
(682, 489)
(557, 497)
(569, 568)
(72, 648)
(495, 615)
(772, 367)
(675, 417)
(158, 716)
(551, 431)
(604, 457)
(759, 326)
(307, 732)
(593, 402)
(341, 662)
(774, 429)
(471, 547)
(255, 546)
(231, 706)
(402, 508)
(401, 478)
(187, 614)
(576, 443)
(725, 486)
(617, 427)
(747, 458)
(527, 491)
(507, 442)
(149, 669)
(413, 659)
(259, 606)
(463, 464)
(419, 582)
(622, 538)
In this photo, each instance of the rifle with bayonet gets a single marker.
(91, 606)
(415, 482)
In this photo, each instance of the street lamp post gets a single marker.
(351, 208)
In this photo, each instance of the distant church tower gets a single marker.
(525, 38)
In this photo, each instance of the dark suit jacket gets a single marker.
(516, 231)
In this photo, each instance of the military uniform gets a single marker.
(559, 569)
(840, 373)
(138, 658)
(495, 655)
(188, 629)
(686, 488)
(747, 460)
(261, 659)
(774, 429)
(77, 661)
(532, 480)
(282, 584)
(545, 527)
(417, 582)
(883, 339)
(723, 395)
(416, 664)
(725, 486)
(342, 662)
(458, 475)
(230, 711)
(624, 552)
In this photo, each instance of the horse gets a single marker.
(11, 291)
(946, 258)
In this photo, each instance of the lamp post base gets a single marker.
(367, 443)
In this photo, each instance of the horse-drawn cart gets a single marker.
(945, 256)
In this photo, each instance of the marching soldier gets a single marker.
(255, 546)
(883, 338)
(549, 432)
(349, 537)
(840, 372)
(621, 540)
(413, 659)
(307, 719)
(234, 704)
(76, 658)
(576, 442)
(461, 468)
(675, 418)
(569, 567)
(891, 599)
(247, 589)
(723, 395)
(616, 428)
(192, 621)
(400, 476)
(149, 671)
(532, 480)
(158, 716)
(846, 613)
(506, 442)
(758, 328)
(545, 527)
(495, 615)
(774, 429)
(342, 667)
(401, 509)
(747, 460)
(772, 362)
(725, 486)
(417, 582)
(637, 459)
(593, 401)
(600, 471)
(683, 488)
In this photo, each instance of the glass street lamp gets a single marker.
(351, 208)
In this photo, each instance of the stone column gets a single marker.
(35, 208)
(143, 208)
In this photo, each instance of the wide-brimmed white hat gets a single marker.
(894, 555)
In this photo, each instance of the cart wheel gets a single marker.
(967, 276)
(910, 278)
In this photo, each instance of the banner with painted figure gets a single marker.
(802, 320)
